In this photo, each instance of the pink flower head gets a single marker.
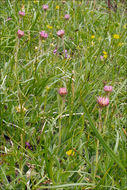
(55, 51)
(9, 18)
(101, 57)
(67, 16)
(45, 7)
(28, 145)
(62, 91)
(21, 13)
(20, 33)
(43, 35)
(60, 33)
(102, 101)
(108, 88)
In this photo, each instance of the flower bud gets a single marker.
(108, 88)
(21, 13)
(45, 7)
(102, 101)
(43, 35)
(62, 91)
(60, 33)
(20, 33)
(67, 16)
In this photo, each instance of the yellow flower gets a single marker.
(70, 153)
(124, 26)
(35, 1)
(18, 108)
(50, 27)
(92, 37)
(52, 45)
(120, 44)
(116, 36)
(104, 52)
(57, 7)
(105, 56)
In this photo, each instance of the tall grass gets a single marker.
(47, 145)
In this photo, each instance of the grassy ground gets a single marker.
(54, 141)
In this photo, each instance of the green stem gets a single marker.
(63, 45)
(16, 56)
(97, 149)
(61, 110)
(106, 117)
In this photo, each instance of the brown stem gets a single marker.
(109, 4)
(94, 4)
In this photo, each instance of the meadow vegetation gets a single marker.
(63, 95)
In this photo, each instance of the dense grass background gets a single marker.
(30, 79)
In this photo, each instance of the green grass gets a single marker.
(30, 78)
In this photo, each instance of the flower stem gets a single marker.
(97, 149)
(61, 110)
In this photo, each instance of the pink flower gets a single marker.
(62, 91)
(9, 18)
(108, 88)
(101, 57)
(55, 51)
(67, 16)
(102, 101)
(45, 7)
(60, 33)
(21, 13)
(20, 33)
(43, 35)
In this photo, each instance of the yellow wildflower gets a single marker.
(105, 56)
(116, 36)
(57, 7)
(120, 44)
(70, 153)
(104, 52)
(35, 1)
(92, 37)
(125, 26)
(52, 45)
(50, 27)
